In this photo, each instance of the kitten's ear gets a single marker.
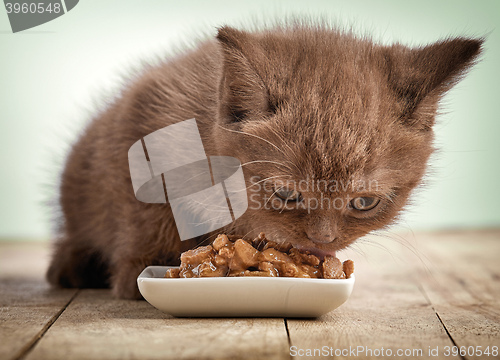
(242, 92)
(419, 77)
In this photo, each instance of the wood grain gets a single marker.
(27, 308)
(437, 290)
(97, 326)
(386, 313)
(464, 288)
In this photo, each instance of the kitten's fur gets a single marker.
(306, 101)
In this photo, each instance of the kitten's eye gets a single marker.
(238, 115)
(288, 195)
(364, 203)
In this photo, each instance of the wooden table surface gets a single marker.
(416, 296)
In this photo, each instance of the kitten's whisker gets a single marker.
(389, 198)
(381, 247)
(208, 207)
(202, 242)
(253, 135)
(284, 142)
(273, 130)
(244, 236)
(284, 207)
(398, 238)
(423, 259)
(196, 175)
(354, 247)
(208, 220)
(270, 197)
(266, 161)
(268, 178)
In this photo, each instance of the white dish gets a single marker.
(242, 296)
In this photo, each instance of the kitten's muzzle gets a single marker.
(320, 238)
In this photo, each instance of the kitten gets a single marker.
(312, 113)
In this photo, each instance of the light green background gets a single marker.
(53, 76)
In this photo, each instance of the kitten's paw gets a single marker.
(124, 284)
(130, 293)
(81, 268)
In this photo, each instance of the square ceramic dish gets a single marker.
(242, 296)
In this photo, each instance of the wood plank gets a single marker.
(95, 325)
(395, 304)
(24, 260)
(386, 311)
(27, 304)
(464, 288)
(27, 308)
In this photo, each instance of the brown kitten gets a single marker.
(297, 105)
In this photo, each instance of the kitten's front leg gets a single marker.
(129, 261)
(124, 279)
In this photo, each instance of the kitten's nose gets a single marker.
(320, 238)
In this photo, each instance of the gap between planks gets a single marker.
(23, 352)
(439, 318)
(288, 336)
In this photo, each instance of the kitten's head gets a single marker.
(334, 131)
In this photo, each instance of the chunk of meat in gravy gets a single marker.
(348, 267)
(332, 268)
(233, 256)
(245, 256)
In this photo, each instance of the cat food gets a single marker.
(233, 256)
